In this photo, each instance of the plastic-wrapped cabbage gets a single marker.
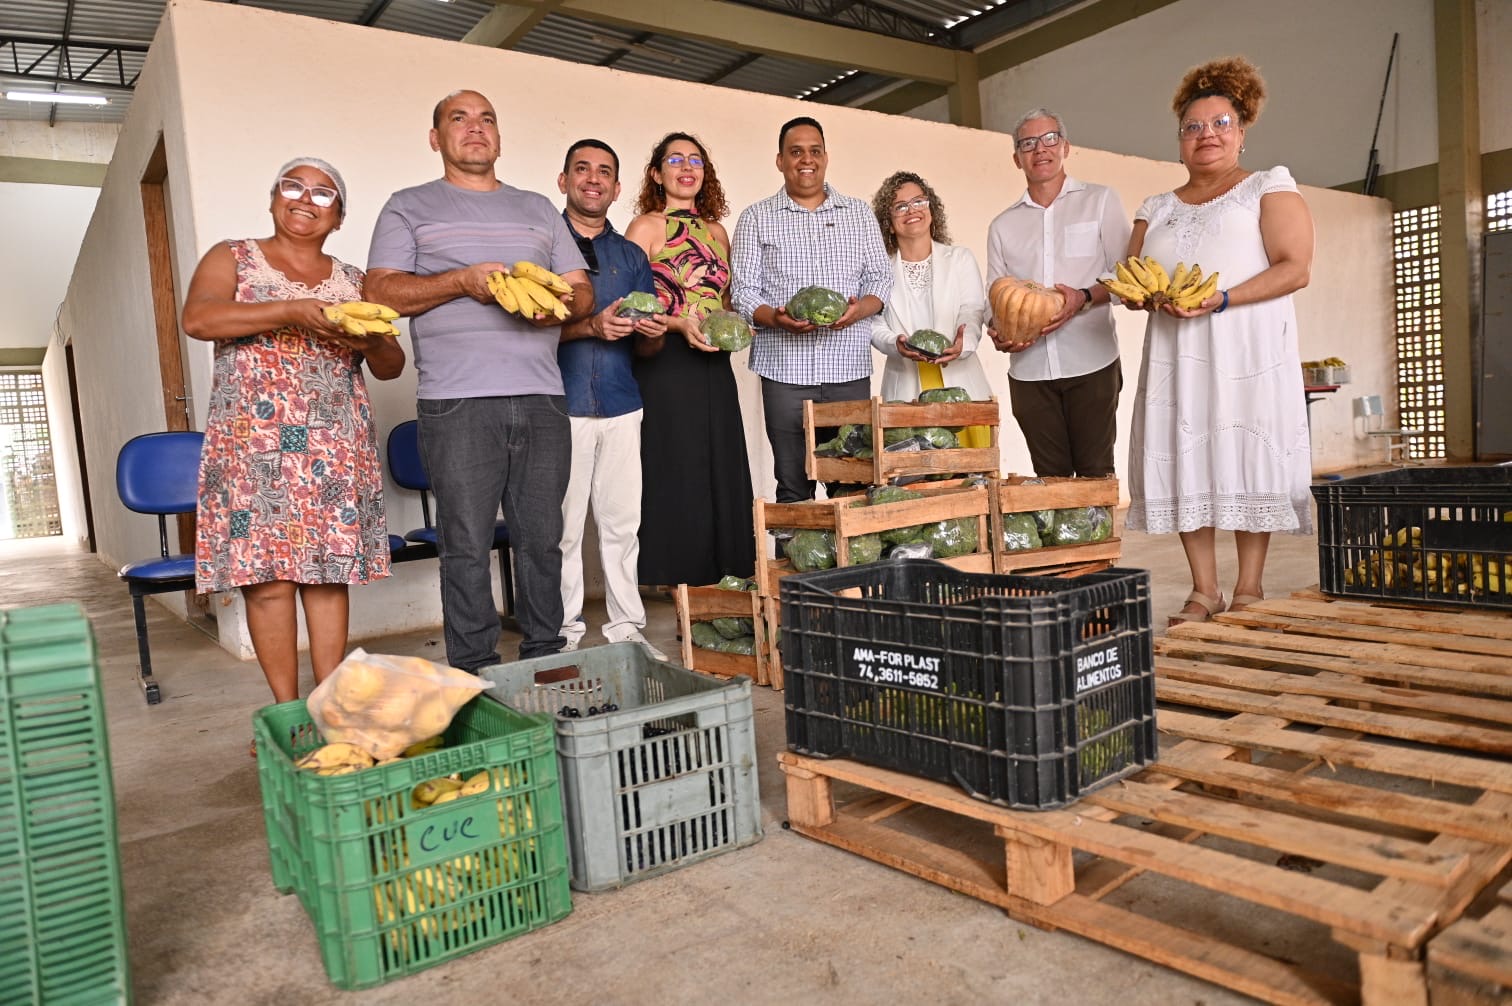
(640, 305)
(911, 550)
(812, 549)
(706, 637)
(1081, 525)
(935, 395)
(928, 342)
(726, 330)
(877, 495)
(817, 304)
(732, 582)
(865, 548)
(896, 434)
(1044, 522)
(1020, 533)
(855, 439)
(744, 645)
(899, 535)
(950, 538)
(940, 438)
(834, 448)
(732, 627)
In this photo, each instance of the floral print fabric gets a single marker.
(290, 483)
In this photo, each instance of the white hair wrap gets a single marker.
(318, 165)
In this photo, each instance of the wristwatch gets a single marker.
(1086, 304)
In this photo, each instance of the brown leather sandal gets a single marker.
(1210, 606)
(1242, 601)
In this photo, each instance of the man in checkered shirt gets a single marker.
(806, 235)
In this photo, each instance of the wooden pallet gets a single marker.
(1470, 962)
(1335, 770)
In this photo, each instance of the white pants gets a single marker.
(606, 470)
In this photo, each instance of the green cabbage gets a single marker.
(1081, 525)
(929, 342)
(933, 395)
(640, 305)
(878, 495)
(1020, 533)
(940, 438)
(726, 330)
(865, 548)
(744, 645)
(811, 549)
(706, 637)
(732, 582)
(950, 538)
(817, 304)
(732, 627)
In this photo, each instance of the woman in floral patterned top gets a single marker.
(291, 492)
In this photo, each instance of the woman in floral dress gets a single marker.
(291, 492)
(696, 498)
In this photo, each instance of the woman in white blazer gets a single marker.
(936, 285)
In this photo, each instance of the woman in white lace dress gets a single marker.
(291, 493)
(1219, 437)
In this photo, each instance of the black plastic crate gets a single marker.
(1027, 691)
(1437, 536)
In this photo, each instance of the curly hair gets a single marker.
(882, 204)
(1234, 78)
(710, 202)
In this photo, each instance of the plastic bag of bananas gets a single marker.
(382, 704)
(531, 291)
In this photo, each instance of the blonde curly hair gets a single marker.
(1233, 77)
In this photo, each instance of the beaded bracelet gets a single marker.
(1224, 306)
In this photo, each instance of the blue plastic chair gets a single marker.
(408, 472)
(158, 473)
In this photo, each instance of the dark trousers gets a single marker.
(782, 407)
(481, 453)
(1070, 423)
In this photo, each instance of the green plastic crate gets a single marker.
(62, 928)
(393, 889)
(666, 780)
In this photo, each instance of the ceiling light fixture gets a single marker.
(55, 98)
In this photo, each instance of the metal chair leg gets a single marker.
(148, 684)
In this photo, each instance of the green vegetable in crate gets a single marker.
(706, 637)
(865, 548)
(896, 435)
(726, 330)
(730, 628)
(817, 304)
(732, 582)
(1044, 522)
(1020, 533)
(811, 549)
(878, 495)
(855, 440)
(1100, 758)
(952, 537)
(929, 342)
(743, 645)
(1081, 525)
(937, 395)
(640, 305)
(940, 438)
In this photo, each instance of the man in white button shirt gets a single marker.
(1064, 382)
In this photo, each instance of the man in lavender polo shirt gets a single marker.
(493, 419)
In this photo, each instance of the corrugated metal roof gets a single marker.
(29, 27)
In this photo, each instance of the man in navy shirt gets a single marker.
(603, 402)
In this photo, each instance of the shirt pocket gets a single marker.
(1082, 240)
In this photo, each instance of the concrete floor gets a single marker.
(784, 920)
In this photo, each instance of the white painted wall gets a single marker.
(1325, 64)
(222, 158)
(43, 227)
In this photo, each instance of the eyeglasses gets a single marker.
(585, 245)
(1193, 128)
(678, 160)
(293, 188)
(1050, 139)
(921, 203)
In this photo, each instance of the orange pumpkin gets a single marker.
(1022, 307)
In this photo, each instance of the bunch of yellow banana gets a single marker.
(1143, 279)
(337, 758)
(359, 318)
(446, 789)
(530, 291)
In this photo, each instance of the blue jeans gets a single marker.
(481, 453)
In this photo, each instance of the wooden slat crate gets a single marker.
(1340, 797)
(1013, 494)
(1470, 962)
(703, 604)
(844, 517)
(883, 466)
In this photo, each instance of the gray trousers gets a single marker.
(782, 408)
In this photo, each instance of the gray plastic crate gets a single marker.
(665, 780)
